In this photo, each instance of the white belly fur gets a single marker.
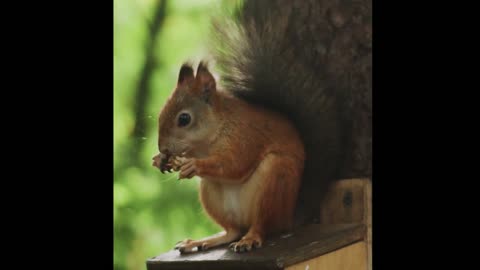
(240, 199)
(232, 203)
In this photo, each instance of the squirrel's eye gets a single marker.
(183, 119)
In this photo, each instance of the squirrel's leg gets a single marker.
(281, 178)
(187, 246)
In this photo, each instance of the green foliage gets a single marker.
(153, 211)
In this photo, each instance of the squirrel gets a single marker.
(268, 139)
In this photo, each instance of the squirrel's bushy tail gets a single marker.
(311, 61)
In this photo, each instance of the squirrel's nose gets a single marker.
(164, 151)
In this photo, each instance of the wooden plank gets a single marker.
(306, 243)
(352, 257)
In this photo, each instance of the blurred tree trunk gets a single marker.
(143, 86)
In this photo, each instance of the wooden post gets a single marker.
(350, 201)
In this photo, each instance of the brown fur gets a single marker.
(250, 161)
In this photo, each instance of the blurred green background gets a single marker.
(152, 211)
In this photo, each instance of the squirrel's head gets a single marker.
(188, 120)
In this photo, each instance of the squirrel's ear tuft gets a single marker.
(206, 81)
(186, 74)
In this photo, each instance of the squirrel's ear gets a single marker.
(206, 81)
(185, 75)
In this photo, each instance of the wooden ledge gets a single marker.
(277, 253)
(342, 242)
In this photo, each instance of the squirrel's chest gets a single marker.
(233, 203)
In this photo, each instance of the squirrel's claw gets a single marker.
(185, 246)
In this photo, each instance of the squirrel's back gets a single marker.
(311, 61)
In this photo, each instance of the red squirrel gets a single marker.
(250, 159)
(289, 116)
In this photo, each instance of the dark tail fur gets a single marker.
(310, 60)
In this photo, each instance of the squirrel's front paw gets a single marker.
(186, 166)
